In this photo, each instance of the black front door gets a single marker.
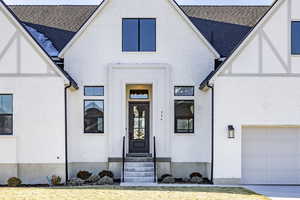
(138, 127)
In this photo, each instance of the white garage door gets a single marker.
(271, 156)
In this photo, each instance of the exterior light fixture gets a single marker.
(231, 133)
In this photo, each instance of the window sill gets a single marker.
(93, 134)
(7, 136)
(184, 134)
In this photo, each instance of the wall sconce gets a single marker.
(231, 133)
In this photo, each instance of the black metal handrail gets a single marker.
(123, 160)
(154, 157)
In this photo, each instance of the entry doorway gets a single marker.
(139, 115)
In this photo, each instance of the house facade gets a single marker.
(124, 88)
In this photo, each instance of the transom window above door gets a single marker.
(138, 34)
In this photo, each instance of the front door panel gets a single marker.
(138, 127)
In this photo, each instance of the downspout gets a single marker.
(212, 133)
(66, 133)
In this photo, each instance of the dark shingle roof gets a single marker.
(223, 26)
(241, 15)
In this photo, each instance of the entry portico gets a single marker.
(155, 78)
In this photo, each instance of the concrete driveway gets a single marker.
(277, 192)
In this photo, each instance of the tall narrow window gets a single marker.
(184, 116)
(6, 114)
(93, 116)
(139, 34)
(296, 38)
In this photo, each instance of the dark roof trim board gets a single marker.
(176, 6)
(205, 85)
(65, 75)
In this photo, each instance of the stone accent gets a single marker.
(227, 181)
(93, 167)
(7, 171)
(184, 169)
(31, 173)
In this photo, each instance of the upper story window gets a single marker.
(6, 114)
(138, 34)
(93, 91)
(296, 37)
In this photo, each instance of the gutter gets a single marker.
(66, 134)
(212, 133)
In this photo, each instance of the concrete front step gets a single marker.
(139, 174)
(139, 179)
(139, 169)
(139, 164)
(139, 159)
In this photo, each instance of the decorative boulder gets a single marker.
(105, 181)
(186, 180)
(93, 179)
(164, 176)
(196, 180)
(168, 180)
(76, 182)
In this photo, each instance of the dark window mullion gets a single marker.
(139, 34)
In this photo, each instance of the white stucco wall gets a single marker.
(38, 107)
(258, 87)
(250, 101)
(178, 46)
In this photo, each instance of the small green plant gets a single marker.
(55, 180)
(84, 175)
(14, 182)
(106, 173)
(195, 174)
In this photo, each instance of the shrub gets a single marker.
(164, 176)
(14, 182)
(55, 180)
(106, 173)
(195, 174)
(84, 175)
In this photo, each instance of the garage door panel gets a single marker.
(270, 155)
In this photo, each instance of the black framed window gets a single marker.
(184, 91)
(93, 116)
(138, 34)
(184, 116)
(6, 114)
(296, 38)
(93, 91)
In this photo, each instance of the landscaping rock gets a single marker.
(76, 182)
(196, 180)
(168, 180)
(105, 181)
(93, 179)
(186, 180)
